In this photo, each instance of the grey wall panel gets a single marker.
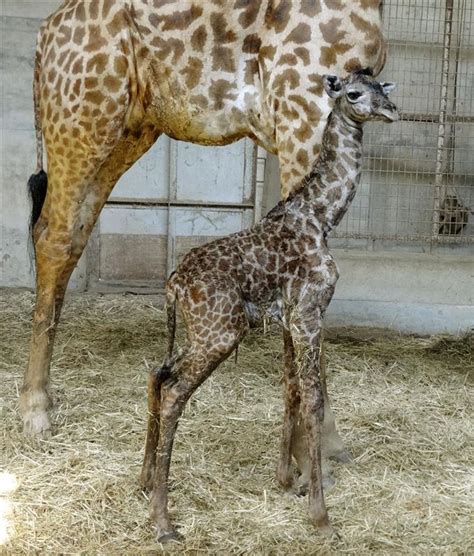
(139, 246)
(219, 174)
(149, 177)
(38, 9)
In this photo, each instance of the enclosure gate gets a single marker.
(176, 197)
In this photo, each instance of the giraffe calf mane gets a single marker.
(364, 71)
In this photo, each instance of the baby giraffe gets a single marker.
(285, 257)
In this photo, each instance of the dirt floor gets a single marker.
(404, 408)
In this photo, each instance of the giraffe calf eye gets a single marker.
(353, 95)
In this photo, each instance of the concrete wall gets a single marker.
(407, 292)
(19, 22)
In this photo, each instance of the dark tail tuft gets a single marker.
(37, 187)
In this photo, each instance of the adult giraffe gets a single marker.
(112, 75)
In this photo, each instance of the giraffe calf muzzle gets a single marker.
(389, 113)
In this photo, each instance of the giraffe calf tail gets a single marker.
(160, 374)
(170, 317)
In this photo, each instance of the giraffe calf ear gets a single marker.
(388, 87)
(332, 85)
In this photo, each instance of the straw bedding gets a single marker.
(403, 407)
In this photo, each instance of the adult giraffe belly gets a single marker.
(219, 71)
(218, 110)
(187, 119)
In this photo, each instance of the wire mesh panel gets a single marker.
(418, 183)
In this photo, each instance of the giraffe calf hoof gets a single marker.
(328, 531)
(170, 536)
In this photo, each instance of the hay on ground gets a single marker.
(404, 408)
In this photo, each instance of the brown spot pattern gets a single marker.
(250, 12)
(193, 72)
(277, 15)
(176, 21)
(301, 34)
(252, 44)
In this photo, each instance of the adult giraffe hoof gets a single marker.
(342, 456)
(169, 536)
(36, 424)
(328, 482)
(301, 489)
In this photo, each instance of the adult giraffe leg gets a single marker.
(60, 236)
(332, 444)
(293, 441)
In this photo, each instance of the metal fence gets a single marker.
(418, 183)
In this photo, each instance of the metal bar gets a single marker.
(428, 44)
(131, 201)
(434, 118)
(93, 258)
(443, 105)
(261, 158)
(172, 196)
(403, 238)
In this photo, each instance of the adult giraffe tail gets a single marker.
(38, 182)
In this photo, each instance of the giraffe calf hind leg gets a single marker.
(215, 322)
(156, 378)
(191, 371)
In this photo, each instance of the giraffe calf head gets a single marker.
(361, 97)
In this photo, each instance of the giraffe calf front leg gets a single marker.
(313, 410)
(306, 333)
(155, 380)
